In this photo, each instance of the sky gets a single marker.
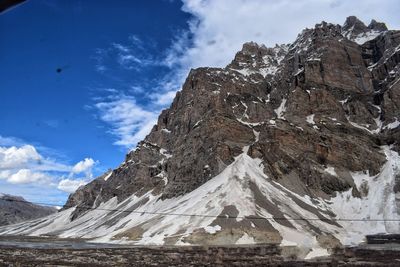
(83, 81)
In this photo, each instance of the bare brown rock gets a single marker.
(323, 101)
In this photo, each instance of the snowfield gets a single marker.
(252, 198)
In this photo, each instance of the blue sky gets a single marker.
(83, 81)
(55, 111)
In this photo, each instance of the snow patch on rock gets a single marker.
(245, 239)
(365, 37)
(331, 170)
(281, 109)
(317, 252)
(212, 229)
(310, 119)
(107, 176)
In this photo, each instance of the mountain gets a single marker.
(15, 209)
(296, 144)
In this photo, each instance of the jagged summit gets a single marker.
(377, 26)
(355, 25)
(258, 59)
(355, 30)
(297, 131)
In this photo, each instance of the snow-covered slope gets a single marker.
(241, 198)
(296, 145)
(377, 210)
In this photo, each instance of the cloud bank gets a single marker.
(22, 163)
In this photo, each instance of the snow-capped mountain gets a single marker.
(15, 209)
(296, 144)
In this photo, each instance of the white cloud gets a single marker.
(132, 55)
(22, 164)
(25, 176)
(4, 174)
(70, 186)
(129, 121)
(121, 48)
(136, 42)
(136, 89)
(27, 156)
(84, 166)
(129, 61)
(10, 141)
(13, 157)
(101, 68)
(165, 98)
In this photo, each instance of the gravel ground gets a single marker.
(19, 251)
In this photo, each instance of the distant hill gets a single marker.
(14, 209)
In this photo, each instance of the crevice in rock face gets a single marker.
(378, 99)
(322, 71)
(360, 77)
(396, 187)
(348, 56)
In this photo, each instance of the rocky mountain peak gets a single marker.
(354, 25)
(219, 110)
(309, 39)
(253, 48)
(292, 131)
(258, 59)
(355, 30)
(377, 26)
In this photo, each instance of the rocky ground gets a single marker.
(17, 251)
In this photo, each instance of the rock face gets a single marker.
(309, 129)
(16, 209)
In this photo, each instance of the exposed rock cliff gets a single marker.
(306, 130)
(324, 100)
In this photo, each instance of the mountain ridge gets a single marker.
(315, 122)
(14, 209)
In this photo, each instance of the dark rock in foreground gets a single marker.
(260, 255)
